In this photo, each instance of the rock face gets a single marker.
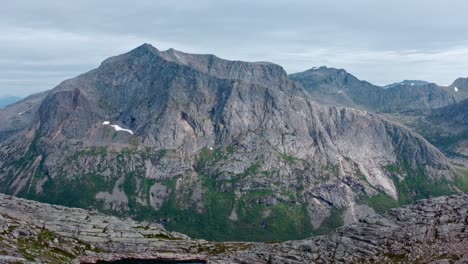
(431, 231)
(459, 89)
(240, 148)
(447, 128)
(339, 88)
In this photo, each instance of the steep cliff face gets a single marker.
(214, 148)
(447, 128)
(431, 231)
(340, 88)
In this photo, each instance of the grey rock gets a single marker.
(87, 237)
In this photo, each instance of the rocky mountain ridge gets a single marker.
(226, 150)
(431, 231)
(339, 88)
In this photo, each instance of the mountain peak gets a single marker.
(407, 83)
(146, 46)
(326, 69)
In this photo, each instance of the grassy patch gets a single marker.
(379, 202)
(333, 221)
(40, 246)
(461, 178)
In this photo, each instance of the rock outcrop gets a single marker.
(245, 151)
(431, 231)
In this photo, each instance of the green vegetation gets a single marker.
(289, 158)
(380, 202)
(447, 144)
(79, 191)
(332, 222)
(461, 178)
(41, 245)
(416, 185)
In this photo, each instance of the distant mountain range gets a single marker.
(437, 112)
(7, 100)
(339, 88)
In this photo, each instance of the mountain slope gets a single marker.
(459, 89)
(339, 88)
(447, 128)
(213, 148)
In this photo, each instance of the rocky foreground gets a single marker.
(431, 231)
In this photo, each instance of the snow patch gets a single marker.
(117, 127)
(456, 89)
(340, 91)
(412, 84)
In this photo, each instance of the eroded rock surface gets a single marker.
(431, 231)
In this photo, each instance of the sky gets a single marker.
(45, 42)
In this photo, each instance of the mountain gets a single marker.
(7, 100)
(459, 89)
(407, 82)
(432, 231)
(447, 128)
(339, 88)
(218, 149)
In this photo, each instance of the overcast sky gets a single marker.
(44, 42)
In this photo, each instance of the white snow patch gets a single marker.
(456, 89)
(412, 84)
(117, 127)
(314, 68)
(211, 148)
(340, 91)
(20, 113)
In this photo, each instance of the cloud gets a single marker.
(44, 42)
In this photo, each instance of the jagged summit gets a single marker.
(262, 73)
